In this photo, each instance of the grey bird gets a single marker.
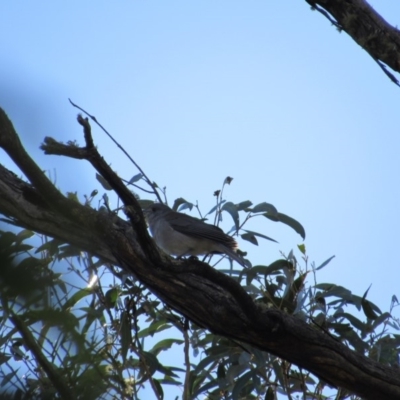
(182, 235)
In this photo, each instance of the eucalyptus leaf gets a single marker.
(103, 182)
(289, 221)
(182, 202)
(125, 334)
(265, 208)
(232, 210)
(325, 263)
(243, 205)
(135, 178)
(260, 235)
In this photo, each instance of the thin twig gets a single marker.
(121, 148)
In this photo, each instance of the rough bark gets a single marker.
(359, 20)
(202, 294)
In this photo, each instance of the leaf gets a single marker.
(8, 377)
(165, 345)
(250, 238)
(325, 263)
(243, 205)
(302, 248)
(260, 235)
(201, 366)
(135, 178)
(353, 320)
(382, 318)
(278, 265)
(366, 306)
(178, 202)
(215, 207)
(103, 182)
(232, 210)
(253, 272)
(221, 371)
(240, 384)
(24, 234)
(265, 208)
(334, 290)
(80, 294)
(159, 389)
(7, 239)
(270, 395)
(289, 221)
(52, 246)
(151, 361)
(111, 297)
(126, 334)
(156, 326)
(205, 388)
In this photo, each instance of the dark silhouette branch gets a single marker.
(367, 28)
(202, 294)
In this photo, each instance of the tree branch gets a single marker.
(360, 21)
(201, 293)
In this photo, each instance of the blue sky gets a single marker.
(267, 92)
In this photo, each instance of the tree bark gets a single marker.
(202, 294)
(359, 20)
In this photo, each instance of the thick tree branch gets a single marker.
(201, 293)
(359, 20)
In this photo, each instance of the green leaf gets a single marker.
(221, 371)
(240, 384)
(53, 317)
(178, 202)
(250, 238)
(52, 246)
(289, 221)
(353, 320)
(278, 265)
(24, 234)
(302, 248)
(103, 182)
(158, 388)
(265, 208)
(232, 210)
(7, 239)
(279, 373)
(367, 308)
(243, 205)
(165, 345)
(135, 178)
(270, 395)
(205, 388)
(260, 235)
(334, 290)
(382, 318)
(201, 366)
(126, 334)
(156, 326)
(151, 361)
(325, 263)
(79, 295)
(111, 297)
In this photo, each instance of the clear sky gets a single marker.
(267, 92)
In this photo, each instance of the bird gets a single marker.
(182, 235)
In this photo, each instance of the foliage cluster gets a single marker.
(106, 336)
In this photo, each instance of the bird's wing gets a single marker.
(194, 227)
